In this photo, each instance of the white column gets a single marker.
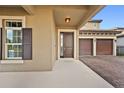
(114, 47)
(77, 43)
(58, 44)
(94, 46)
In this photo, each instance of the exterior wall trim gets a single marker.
(94, 46)
(97, 37)
(75, 38)
(114, 47)
(12, 61)
(13, 17)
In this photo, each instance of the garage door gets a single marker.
(104, 47)
(85, 47)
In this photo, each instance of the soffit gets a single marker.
(79, 15)
(74, 12)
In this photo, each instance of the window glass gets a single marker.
(13, 24)
(14, 36)
(13, 39)
(8, 24)
(19, 24)
(9, 36)
(14, 51)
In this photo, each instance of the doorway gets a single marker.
(66, 45)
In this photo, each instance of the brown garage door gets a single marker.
(85, 47)
(104, 47)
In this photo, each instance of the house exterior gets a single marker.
(120, 44)
(120, 41)
(32, 38)
(92, 25)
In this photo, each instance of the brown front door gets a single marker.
(67, 45)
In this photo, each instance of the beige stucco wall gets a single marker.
(91, 25)
(53, 31)
(10, 11)
(43, 26)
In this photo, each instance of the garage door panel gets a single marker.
(104, 47)
(85, 47)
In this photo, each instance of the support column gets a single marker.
(94, 46)
(77, 45)
(114, 47)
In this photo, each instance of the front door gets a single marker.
(67, 45)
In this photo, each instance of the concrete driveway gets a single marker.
(67, 73)
(109, 67)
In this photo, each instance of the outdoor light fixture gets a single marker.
(67, 20)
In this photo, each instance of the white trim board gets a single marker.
(12, 62)
(114, 37)
(23, 18)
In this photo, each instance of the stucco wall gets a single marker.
(43, 27)
(91, 25)
(120, 41)
(53, 31)
(10, 11)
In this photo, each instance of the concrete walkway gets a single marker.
(67, 73)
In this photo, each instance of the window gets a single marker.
(13, 44)
(95, 24)
(15, 40)
(13, 24)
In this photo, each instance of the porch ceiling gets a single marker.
(79, 15)
(75, 13)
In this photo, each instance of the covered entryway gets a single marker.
(85, 47)
(104, 47)
(70, 19)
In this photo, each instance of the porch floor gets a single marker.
(67, 73)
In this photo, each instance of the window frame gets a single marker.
(22, 18)
(6, 44)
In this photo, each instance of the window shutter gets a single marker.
(27, 43)
(0, 43)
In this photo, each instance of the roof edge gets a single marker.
(119, 36)
(95, 20)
